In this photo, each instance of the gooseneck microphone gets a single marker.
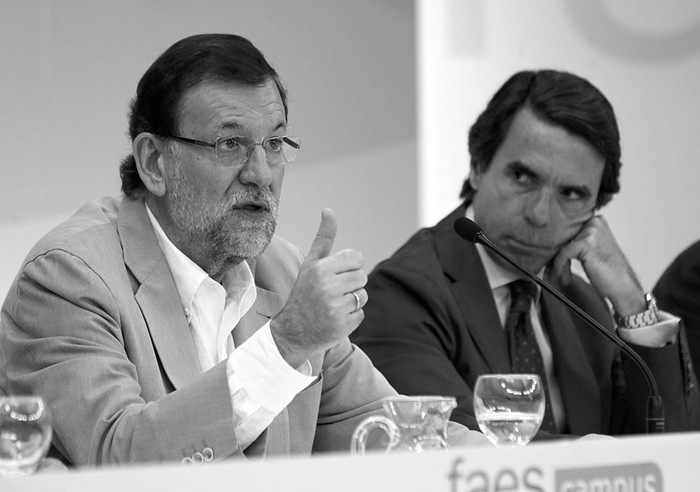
(470, 230)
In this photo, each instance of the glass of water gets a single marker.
(25, 434)
(509, 407)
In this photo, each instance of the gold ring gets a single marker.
(358, 304)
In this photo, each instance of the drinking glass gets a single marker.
(412, 423)
(509, 407)
(25, 434)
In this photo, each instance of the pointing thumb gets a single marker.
(323, 242)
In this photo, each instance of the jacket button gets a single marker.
(208, 454)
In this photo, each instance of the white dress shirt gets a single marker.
(656, 335)
(261, 383)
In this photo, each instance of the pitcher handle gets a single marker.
(359, 437)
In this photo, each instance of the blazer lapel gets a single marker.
(461, 262)
(572, 369)
(276, 439)
(267, 305)
(471, 290)
(157, 295)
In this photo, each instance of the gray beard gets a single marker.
(219, 232)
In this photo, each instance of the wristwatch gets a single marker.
(646, 318)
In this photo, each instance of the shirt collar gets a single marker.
(188, 276)
(497, 275)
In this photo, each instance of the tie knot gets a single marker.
(521, 293)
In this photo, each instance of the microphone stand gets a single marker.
(655, 407)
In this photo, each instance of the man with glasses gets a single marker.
(545, 156)
(172, 324)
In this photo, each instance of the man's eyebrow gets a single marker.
(230, 125)
(521, 167)
(582, 189)
(234, 125)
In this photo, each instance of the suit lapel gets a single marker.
(572, 369)
(267, 305)
(276, 439)
(471, 291)
(157, 295)
(579, 387)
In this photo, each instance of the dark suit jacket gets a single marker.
(678, 292)
(93, 322)
(431, 326)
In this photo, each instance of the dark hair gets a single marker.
(558, 98)
(203, 57)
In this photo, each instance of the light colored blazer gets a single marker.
(93, 323)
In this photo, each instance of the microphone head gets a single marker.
(468, 229)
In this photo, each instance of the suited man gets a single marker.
(677, 291)
(545, 156)
(171, 324)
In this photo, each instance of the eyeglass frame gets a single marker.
(294, 142)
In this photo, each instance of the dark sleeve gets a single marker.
(411, 332)
(678, 292)
(672, 371)
(676, 381)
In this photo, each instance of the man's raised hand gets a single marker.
(321, 309)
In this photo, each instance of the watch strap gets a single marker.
(646, 318)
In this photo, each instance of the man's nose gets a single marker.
(539, 208)
(256, 169)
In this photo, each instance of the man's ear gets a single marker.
(150, 160)
(475, 176)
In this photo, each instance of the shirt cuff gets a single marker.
(657, 335)
(257, 367)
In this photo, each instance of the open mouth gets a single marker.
(252, 207)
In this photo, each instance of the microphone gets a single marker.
(470, 230)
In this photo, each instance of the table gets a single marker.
(669, 462)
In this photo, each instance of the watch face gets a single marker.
(651, 300)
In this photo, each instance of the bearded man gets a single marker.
(172, 324)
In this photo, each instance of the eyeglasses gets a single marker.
(235, 150)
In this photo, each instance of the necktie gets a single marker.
(525, 356)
